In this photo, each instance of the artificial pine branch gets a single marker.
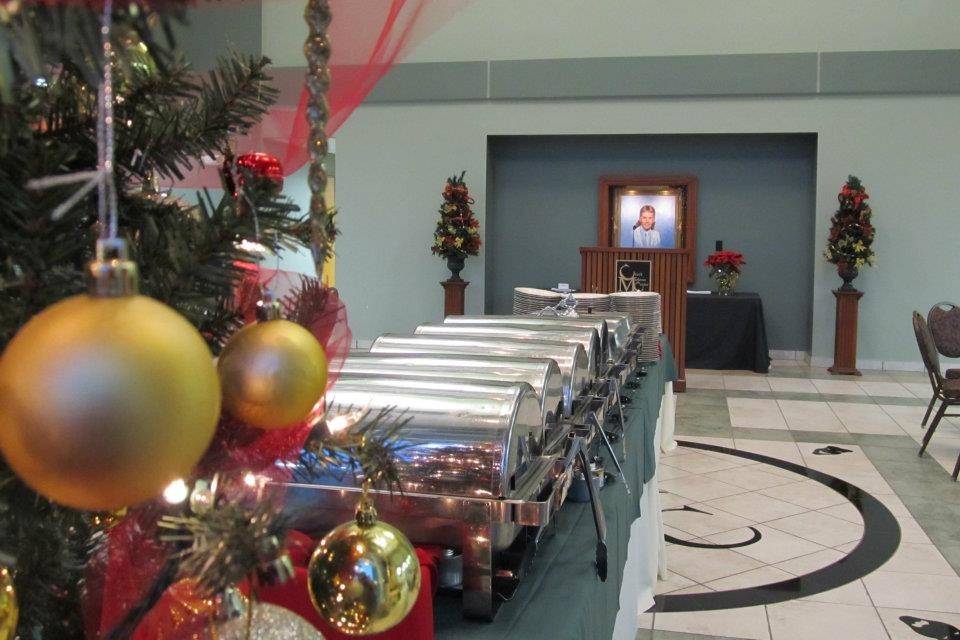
(197, 116)
(238, 536)
(367, 449)
(167, 119)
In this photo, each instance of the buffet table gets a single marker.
(562, 598)
(726, 332)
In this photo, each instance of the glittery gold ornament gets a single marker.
(108, 519)
(9, 611)
(272, 374)
(105, 398)
(270, 622)
(364, 576)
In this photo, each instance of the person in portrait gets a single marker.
(644, 234)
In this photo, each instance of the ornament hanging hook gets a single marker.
(112, 273)
(107, 189)
(366, 514)
(103, 177)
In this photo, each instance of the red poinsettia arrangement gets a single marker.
(725, 259)
(458, 233)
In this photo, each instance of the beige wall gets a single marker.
(904, 149)
(522, 29)
(392, 158)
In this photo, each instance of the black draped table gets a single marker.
(726, 332)
(562, 598)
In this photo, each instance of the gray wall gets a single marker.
(871, 115)
(757, 194)
(214, 28)
(549, 29)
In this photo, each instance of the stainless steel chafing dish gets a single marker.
(544, 321)
(546, 435)
(618, 327)
(541, 374)
(616, 368)
(470, 479)
(570, 358)
(587, 337)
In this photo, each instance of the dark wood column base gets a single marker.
(842, 371)
(845, 338)
(453, 296)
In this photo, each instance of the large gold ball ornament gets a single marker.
(9, 611)
(364, 579)
(272, 374)
(106, 400)
(270, 622)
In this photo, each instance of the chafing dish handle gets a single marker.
(598, 519)
(615, 384)
(606, 442)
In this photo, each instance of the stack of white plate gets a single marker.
(594, 301)
(644, 310)
(528, 300)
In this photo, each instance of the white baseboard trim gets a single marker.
(895, 365)
(778, 354)
(873, 365)
(869, 365)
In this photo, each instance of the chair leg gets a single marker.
(933, 427)
(933, 400)
(956, 469)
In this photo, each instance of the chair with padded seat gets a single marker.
(947, 390)
(943, 319)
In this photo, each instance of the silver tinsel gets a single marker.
(270, 622)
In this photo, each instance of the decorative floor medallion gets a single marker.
(931, 628)
(731, 498)
(863, 432)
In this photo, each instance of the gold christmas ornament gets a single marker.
(364, 576)
(272, 373)
(9, 611)
(270, 622)
(107, 397)
(133, 61)
(107, 520)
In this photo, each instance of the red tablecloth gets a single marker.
(178, 614)
(418, 625)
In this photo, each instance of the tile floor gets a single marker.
(804, 525)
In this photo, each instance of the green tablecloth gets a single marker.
(562, 598)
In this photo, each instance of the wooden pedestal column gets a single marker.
(845, 340)
(453, 295)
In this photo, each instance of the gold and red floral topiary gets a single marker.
(458, 233)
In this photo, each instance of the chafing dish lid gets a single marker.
(468, 442)
(543, 375)
(588, 337)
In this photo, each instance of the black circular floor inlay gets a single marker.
(881, 537)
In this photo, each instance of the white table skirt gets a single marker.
(646, 551)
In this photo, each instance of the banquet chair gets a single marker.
(944, 389)
(943, 319)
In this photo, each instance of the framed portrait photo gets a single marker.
(642, 215)
(648, 217)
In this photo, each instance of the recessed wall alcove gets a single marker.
(756, 194)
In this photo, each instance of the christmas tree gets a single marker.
(850, 243)
(190, 254)
(458, 233)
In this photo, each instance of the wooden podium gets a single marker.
(845, 337)
(669, 274)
